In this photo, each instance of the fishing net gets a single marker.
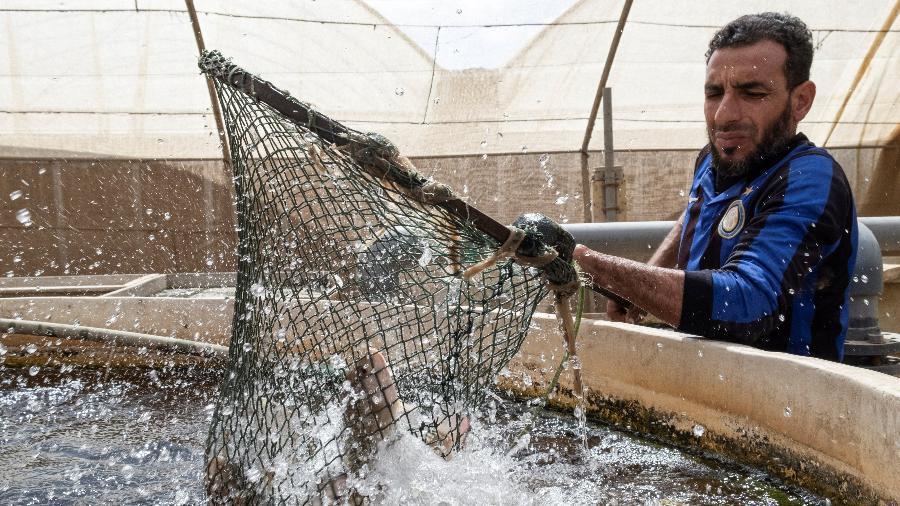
(353, 320)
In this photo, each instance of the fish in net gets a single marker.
(355, 317)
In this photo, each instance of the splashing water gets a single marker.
(23, 216)
(137, 436)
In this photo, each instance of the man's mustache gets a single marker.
(732, 127)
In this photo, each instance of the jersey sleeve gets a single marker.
(799, 221)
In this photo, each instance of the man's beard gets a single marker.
(774, 141)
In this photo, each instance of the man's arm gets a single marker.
(657, 290)
(666, 255)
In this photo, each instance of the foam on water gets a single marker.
(407, 471)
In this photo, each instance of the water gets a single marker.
(136, 436)
(102, 437)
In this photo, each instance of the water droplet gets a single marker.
(17, 259)
(33, 370)
(575, 362)
(257, 290)
(791, 291)
(699, 430)
(99, 251)
(149, 211)
(167, 216)
(41, 171)
(31, 348)
(787, 412)
(864, 278)
(659, 346)
(681, 193)
(426, 257)
(562, 200)
(15, 195)
(246, 347)
(2, 350)
(459, 11)
(24, 217)
(399, 91)
(209, 262)
(484, 156)
(866, 301)
(484, 144)
(700, 353)
(721, 377)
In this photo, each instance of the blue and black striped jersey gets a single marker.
(768, 260)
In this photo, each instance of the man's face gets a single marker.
(748, 106)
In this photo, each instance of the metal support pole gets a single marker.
(585, 187)
(217, 112)
(585, 173)
(610, 179)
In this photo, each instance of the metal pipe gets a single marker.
(866, 285)
(611, 55)
(887, 230)
(610, 182)
(116, 337)
(638, 239)
(217, 112)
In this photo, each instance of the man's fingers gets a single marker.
(615, 312)
(635, 314)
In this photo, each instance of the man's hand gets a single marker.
(617, 313)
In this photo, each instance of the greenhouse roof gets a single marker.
(97, 78)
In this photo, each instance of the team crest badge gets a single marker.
(733, 221)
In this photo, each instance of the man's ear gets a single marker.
(802, 99)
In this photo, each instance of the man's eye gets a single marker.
(756, 94)
(713, 94)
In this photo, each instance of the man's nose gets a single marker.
(729, 110)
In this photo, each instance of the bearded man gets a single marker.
(764, 252)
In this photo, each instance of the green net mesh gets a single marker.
(346, 278)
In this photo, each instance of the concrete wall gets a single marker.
(115, 216)
(831, 427)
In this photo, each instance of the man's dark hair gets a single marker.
(787, 30)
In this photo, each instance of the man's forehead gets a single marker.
(763, 60)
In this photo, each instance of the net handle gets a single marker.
(215, 65)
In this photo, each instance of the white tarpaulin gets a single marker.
(119, 78)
